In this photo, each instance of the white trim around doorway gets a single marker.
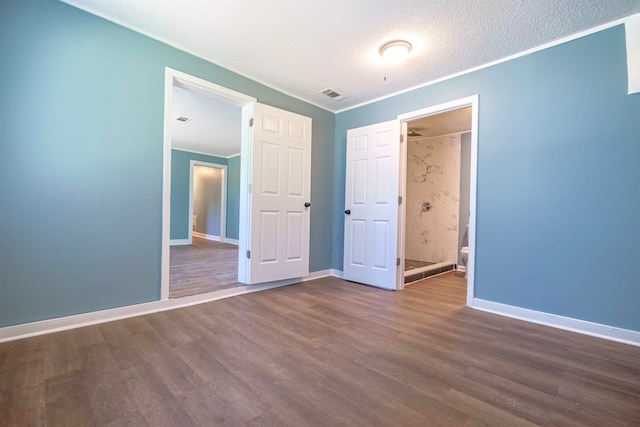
(471, 101)
(184, 80)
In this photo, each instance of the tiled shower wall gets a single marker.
(433, 175)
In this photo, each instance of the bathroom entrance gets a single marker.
(437, 193)
(378, 214)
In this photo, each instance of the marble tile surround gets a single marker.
(433, 175)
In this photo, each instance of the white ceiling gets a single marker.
(303, 46)
(213, 128)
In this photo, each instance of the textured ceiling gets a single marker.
(453, 121)
(303, 46)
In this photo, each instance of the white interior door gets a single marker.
(372, 205)
(280, 193)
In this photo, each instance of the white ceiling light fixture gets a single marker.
(395, 51)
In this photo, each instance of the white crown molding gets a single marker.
(496, 62)
(190, 52)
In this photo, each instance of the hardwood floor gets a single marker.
(204, 266)
(321, 353)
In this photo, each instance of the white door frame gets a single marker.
(471, 101)
(178, 78)
(223, 197)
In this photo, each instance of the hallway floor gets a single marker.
(204, 266)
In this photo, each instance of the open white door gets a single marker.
(279, 195)
(372, 205)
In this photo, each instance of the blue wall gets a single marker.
(81, 131)
(233, 197)
(559, 143)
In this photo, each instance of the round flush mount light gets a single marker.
(395, 50)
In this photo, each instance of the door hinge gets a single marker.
(401, 138)
(397, 261)
(251, 122)
(249, 254)
(249, 188)
(399, 200)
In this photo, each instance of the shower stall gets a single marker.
(432, 205)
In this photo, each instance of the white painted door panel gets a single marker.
(280, 187)
(371, 205)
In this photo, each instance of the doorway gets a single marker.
(273, 225)
(437, 193)
(467, 235)
(205, 139)
(375, 188)
(205, 126)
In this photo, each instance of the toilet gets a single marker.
(464, 253)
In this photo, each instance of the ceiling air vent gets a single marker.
(183, 119)
(332, 94)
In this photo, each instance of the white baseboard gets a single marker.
(461, 268)
(612, 333)
(206, 236)
(317, 275)
(26, 330)
(231, 241)
(10, 333)
(176, 242)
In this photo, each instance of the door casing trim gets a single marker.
(221, 93)
(470, 101)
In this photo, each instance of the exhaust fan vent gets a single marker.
(183, 119)
(332, 94)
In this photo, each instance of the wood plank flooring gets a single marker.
(204, 266)
(321, 353)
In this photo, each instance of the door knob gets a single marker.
(348, 211)
(307, 204)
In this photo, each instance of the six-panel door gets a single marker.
(371, 205)
(281, 185)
